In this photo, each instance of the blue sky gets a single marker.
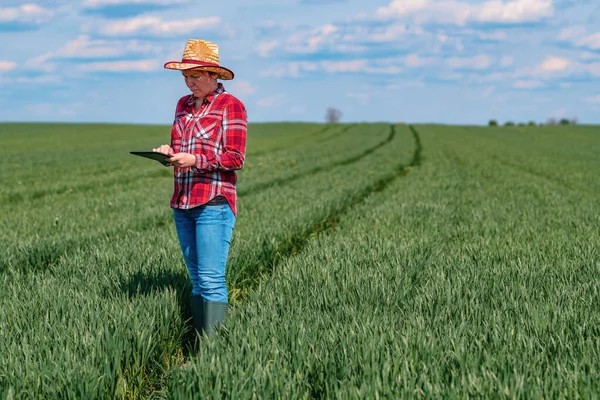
(441, 61)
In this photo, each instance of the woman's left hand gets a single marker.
(183, 160)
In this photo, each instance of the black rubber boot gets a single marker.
(214, 314)
(197, 306)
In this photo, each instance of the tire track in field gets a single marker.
(18, 197)
(285, 180)
(278, 148)
(275, 252)
(338, 133)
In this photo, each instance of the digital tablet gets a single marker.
(153, 155)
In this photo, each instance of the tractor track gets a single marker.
(286, 180)
(275, 252)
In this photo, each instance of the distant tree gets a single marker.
(509, 123)
(531, 123)
(332, 115)
(493, 122)
(565, 121)
(573, 121)
(551, 121)
(521, 124)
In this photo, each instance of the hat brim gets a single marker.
(224, 73)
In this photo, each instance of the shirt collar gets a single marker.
(209, 98)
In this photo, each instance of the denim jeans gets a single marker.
(204, 235)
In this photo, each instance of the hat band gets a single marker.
(199, 63)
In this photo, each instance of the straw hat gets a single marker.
(201, 54)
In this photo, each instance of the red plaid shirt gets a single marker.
(216, 135)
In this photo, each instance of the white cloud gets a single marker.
(156, 26)
(103, 3)
(344, 66)
(265, 48)
(39, 79)
(515, 11)
(290, 69)
(507, 61)
(300, 43)
(84, 47)
(414, 60)
(571, 33)
(389, 70)
(36, 80)
(590, 41)
(7, 66)
(400, 8)
(388, 34)
(553, 64)
(242, 88)
(460, 13)
(121, 66)
(554, 68)
(528, 84)
(270, 101)
(578, 37)
(593, 99)
(343, 38)
(26, 13)
(476, 62)
(593, 69)
(587, 56)
(443, 41)
(296, 68)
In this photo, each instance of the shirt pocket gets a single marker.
(208, 127)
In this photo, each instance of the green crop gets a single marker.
(368, 261)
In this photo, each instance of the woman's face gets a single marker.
(201, 83)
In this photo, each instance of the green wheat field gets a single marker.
(368, 261)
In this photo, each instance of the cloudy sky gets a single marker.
(443, 61)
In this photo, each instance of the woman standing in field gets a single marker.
(208, 144)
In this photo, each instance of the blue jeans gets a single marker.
(204, 235)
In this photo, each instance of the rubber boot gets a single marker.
(214, 314)
(197, 306)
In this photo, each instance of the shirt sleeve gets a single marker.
(234, 125)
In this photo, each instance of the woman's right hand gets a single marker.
(165, 149)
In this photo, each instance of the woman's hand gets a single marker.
(165, 149)
(183, 160)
